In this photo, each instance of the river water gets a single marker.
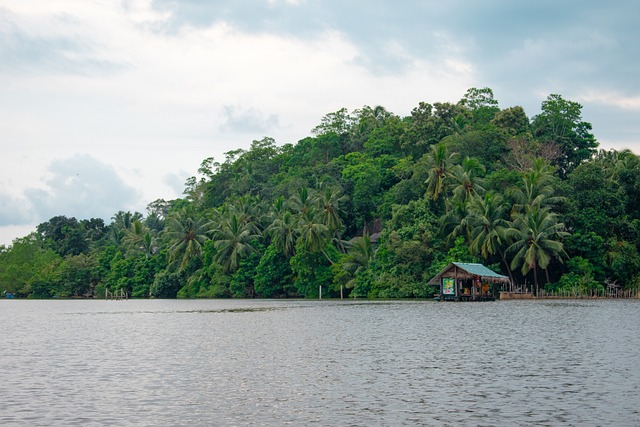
(326, 363)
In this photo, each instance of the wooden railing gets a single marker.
(118, 295)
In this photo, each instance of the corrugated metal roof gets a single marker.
(478, 270)
(471, 268)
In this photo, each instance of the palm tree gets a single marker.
(439, 162)
(360, 254)
(278, 208)
(122, 221)
(536, 187)
(281, 228)
(302, 201)
(466, 179)
(187, 236)
(283, 232)
(248, 209)
(488, 227)
(311, 228)
(312, 232)
(536, 234)
(125, 220)
(613, 161)
(233, 239)
(329, 201)
(454, 222)
(139, 238)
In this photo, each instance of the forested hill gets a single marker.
(372, 202)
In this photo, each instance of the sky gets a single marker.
(109, 105)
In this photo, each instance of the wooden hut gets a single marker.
(461, 281)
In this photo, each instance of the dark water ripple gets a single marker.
(149, 363)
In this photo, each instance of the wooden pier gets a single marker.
(119, 295)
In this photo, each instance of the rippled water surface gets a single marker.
(329, 363)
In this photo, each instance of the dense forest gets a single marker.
(372, 203)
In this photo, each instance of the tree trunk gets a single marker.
(546, 273)
(506, 264)
(326, 256)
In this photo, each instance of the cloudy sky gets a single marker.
(108, 105)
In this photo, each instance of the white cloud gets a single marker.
(172, 100)
(176, 181)
(611, 98)
(82, 187)
(8, 233)
(13, 211)
(288, 2)
(149, 88)
(243, 120)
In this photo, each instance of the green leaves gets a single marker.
(186, 234)
(561, 122)
(373, 201)
(537, 235)
(439, 160)
(233, 237)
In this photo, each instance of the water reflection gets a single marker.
(324, 362)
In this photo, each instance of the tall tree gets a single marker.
(139, 238)
(27, 267)
(121, 222)
(330, 201)
(360, 253)
(439, 161)
(513, 121)
(339, 122)
(623, 168)
(536, 235)
(125, 220)
(157, 212)
(537, 187)
(313, 233)
(233, 239)
(363, 178)
(481, 103)
(64, 235)
(489, 227)
(302, 201)
(94, 228)
(186, 234)
(561, 122)
(283, 228)
(455, 222)
(421, 131)
(467, 180)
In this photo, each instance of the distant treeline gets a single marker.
(373, 203)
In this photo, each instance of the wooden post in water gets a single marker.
(340, 292)
(320, 291)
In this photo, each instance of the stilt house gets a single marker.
(466, 281)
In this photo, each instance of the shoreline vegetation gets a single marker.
(553, 295)
(372, 205)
